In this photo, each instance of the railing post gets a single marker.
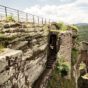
(49, 21)
(18, 12)
(18, 15)
(33, 20)
(26, 17)
(45, 21)
(38, 20)
(42, 20)
(6, 12)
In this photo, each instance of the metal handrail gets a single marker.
(19, 13)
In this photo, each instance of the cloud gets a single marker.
(69, 13)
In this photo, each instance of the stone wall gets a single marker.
(65, 49)
(24, 53)
(23, 56)
(65, 45)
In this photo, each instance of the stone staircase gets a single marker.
(50, 62)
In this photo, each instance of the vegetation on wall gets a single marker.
(63, 27)
(10, 18)
(62, 67)
(74, 27)
(82, 66)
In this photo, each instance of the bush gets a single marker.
(62, 67)
(82, 66)
(10, 18)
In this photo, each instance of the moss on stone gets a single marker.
(62, 26)
(6, 38)
(82, 66)
(73, 27)
(10, 18)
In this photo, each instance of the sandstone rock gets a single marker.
(8, 63)
(20, 45)
(28, 54)
(6, 26)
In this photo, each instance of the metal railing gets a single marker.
(21, 16)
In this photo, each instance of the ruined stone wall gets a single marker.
(65, 45)
(24, 53)
(65, 49)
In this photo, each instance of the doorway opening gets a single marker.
(52, 50)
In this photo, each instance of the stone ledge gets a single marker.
(9, 53)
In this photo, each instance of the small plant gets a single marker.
(82, 66)
(10, 18)
(62, 67)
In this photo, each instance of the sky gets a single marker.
(68, 11)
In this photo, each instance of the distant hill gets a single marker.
(82, 24)
(83, 31)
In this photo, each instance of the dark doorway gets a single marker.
(52, 50)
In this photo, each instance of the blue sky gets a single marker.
(69, 11)
(21, 4)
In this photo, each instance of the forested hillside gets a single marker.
(83, 32)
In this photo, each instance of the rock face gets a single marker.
(83, 57)
(65, 45)
(24, 57)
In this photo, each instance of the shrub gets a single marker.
(10, 18)
(62, 67)
(82, 66)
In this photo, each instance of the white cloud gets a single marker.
(69, 13)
